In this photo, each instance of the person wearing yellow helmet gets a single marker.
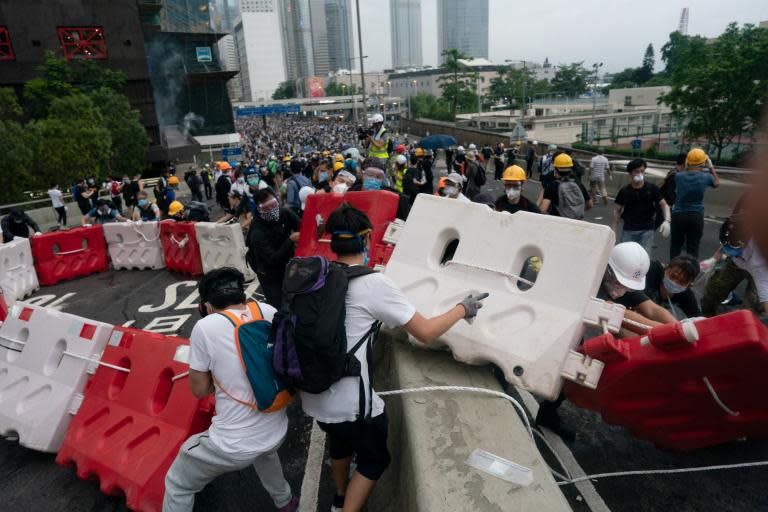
(564, 196)
(513, 200)
(176, 210)
(688, 212)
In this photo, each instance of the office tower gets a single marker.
(405, 17)
(463, 24)
(259, 49)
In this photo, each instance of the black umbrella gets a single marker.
(437, 142)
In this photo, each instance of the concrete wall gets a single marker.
(432, 434)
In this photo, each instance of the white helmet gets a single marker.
(304, 193)
(629, 263)
(401, 160)
(460, 149)
(472, 147)
(377, 118)
(535, 143)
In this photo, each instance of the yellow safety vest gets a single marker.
(399, 176)
(379, 153)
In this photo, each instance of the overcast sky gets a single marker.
(614, 32)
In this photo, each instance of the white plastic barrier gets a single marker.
(134, 245)
(528, 331)
(222, 245)
(45, 359)
(17, 270)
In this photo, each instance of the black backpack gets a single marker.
(197, 212)
(308, 333)
(223, 184)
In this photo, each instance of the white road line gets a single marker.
(593, 500)
(310, 485)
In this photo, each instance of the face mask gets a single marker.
(340, 188)
(672, 287)
(371, 184)
(733, 252)
(241, 180)
(271, 215)
(253, 181)
(450, 191)
(513, 193)
(323, 176)
(638, 178)
(143, 202)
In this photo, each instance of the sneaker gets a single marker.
(292, 505)
(338, 503)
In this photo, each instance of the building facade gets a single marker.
(405, 17)
(463, 24)
(259, 49)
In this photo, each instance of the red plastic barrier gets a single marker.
(3, 307)
(380, 207)
(64, 255)
(681, 394)
(180, 247)
(130, 425)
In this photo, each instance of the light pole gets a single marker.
(352, 86)
(360, 52)
(595, 66)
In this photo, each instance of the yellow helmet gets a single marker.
(513, 173)
(174, 208)
(696, 157)
(338, 157)
(287, 158)
(562, 160)
(419, 152)
(337, 166)
(173, 180)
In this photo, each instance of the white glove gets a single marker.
(37, 233)
(87, 225)
(707, 264)
(664, 229)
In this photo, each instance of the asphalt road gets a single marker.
(166, 302)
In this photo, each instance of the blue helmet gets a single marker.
(252, 176)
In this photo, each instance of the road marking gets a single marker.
(592, 498)
(310, 485)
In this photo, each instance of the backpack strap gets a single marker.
(364, 411)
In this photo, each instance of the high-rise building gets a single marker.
(224, 15)
(317, 36)
(259, 49)
(406, 33)
(463, 24)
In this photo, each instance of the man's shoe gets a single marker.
(292, 505)
(338, 503)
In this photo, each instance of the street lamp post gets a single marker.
(595, 66)
(360, 53)
(352, 86)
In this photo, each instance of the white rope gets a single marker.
(717, 398)
(508, 275)
(636, 324)
(142, 235)
(179, 376)
(72, 354)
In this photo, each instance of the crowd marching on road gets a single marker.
(287, 160)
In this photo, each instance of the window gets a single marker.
(6, 50)
(83, 42)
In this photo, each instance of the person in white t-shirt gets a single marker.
(371, 298)
(239, 436)
(57, 202)
(598, 167)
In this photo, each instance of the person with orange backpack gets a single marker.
(230, 356)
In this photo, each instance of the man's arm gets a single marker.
(31, 223)
(427, 330)
(200, 383)
(617, 211)
(653, 311)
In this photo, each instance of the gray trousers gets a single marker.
(199, 462)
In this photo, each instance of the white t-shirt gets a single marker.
(753, 262)
(235, 428)
(55, 196)
(462, 198)
(598, 164)
(369, 298)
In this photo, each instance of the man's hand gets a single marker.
(664, 229)
(294, 237)
(472, 304)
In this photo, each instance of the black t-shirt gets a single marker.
(685, 300)
(551, 193)
(82, 202)
(629, 300)
(639, 206)
(503, 205)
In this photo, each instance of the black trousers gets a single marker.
(61, 212)
(686, 230)
(208, 190)
(272, 289)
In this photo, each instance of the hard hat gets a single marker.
(455, 178)
(695, 157)
(377, 118)
(419, 152)
(472, 147)
(304, 193)
(401, 160)
(517, 143)
(287, 158)
(272, 157)
(460, 149)
(337, 166)
(339, 157)
(400, 149)
(174, 208)
(563, 161)
(251, 171)
(513, 173)
(629, 263)
(173, 180)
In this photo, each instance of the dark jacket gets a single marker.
(269, 246)
(20, 229)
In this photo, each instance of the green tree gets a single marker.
(17, 146)
(340, 89)
(129, 138)
(645, 71)
(459, 84)
(72, 141)
(719, 88)
(285, 90)
(511, 83)
(429, 106)
(570, 79)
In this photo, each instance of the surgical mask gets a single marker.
(323, 176)
(638, 178)
(143, 202)
(270, 215)
(672, 287)
(513, 193)
(371, 184)
(450, 191)
(241, 180)
(733, 252)
(340, 188)
(253, 181)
